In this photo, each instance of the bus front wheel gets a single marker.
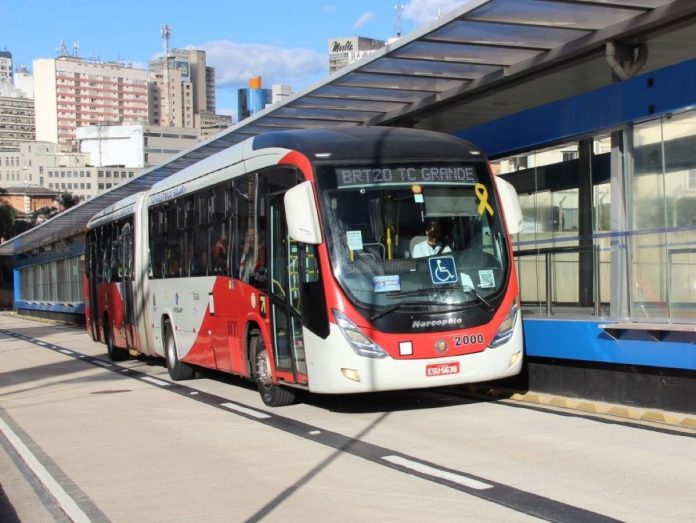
(272, 394)
(177, 370)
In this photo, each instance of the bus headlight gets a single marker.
(507, 327)
(361, 344)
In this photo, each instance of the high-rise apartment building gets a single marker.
(182, 91)
(252, 99)
(5, 67)
(16, 122)
(346, 50)
(77, 92)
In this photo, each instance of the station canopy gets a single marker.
(483, 61)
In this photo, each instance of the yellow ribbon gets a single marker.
(482, 195)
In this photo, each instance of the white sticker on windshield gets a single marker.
(418, 198)
(354, 239)
(386, 283)
(467, 282)
(487, 279)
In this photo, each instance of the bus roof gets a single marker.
(116, 210)
(381, 143)
(373, 144)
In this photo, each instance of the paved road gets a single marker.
(82, 439)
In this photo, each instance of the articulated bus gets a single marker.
(333, 261)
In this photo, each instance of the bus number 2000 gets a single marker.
(468, 339)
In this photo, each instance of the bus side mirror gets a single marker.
(301, 214)
(511, 206)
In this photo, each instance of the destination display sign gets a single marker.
(400, 175)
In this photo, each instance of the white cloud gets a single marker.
(425, 11)
(235, 63)
(329, 8)
(364, 18)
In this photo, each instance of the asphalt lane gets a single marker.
(124, 443)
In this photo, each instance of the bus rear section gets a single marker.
(115, 282)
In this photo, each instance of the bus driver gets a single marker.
(433, 244)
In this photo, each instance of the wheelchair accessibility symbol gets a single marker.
(442, 270)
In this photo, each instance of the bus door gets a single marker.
(126, 248)
(286, 309)
(94, 276)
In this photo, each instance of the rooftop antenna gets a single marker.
(399, 8)
(75, 48)
(62, 49)
(166, 33)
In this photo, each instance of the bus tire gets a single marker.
(115, 353)
(178, 370)
(272, 394)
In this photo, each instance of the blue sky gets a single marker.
(283, 41)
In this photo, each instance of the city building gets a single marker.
(36, 164)
(26, 199)
(252, 99)
(207, 123)
(170, 98)
(6, 67)
(24, 82)
(133, 146)
(182, 92)
(346, 50)
(16, 122)
(280, 92)
(77, 92)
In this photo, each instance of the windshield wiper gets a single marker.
(478, 296)
(399, 305)
(424, 290)
(427, 290)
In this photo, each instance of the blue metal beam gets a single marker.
(644, 97)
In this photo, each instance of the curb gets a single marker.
(674, 419)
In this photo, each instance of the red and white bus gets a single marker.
(335, 261)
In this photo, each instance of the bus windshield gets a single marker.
(414, 237)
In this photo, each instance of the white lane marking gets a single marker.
(244, 410)
(66, 503)
(438, 473)
(102, 363)
(156, 381)
(66, 351)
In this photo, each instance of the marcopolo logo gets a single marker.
(447, 322)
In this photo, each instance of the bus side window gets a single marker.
(244, 240)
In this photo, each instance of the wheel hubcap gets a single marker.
(263, 373)
(170, 352)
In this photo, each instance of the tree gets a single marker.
(7, 217)
(67, 200)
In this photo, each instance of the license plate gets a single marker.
(442, 369)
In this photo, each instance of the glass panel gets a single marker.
(506, 34)
(648, 244)
(405, 236)
(679, 135)
(281, 337)
(420, 67)
(298, 346)
(559, 14)
(464, 53)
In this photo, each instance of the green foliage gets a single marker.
(67, 200)
(7, 220)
